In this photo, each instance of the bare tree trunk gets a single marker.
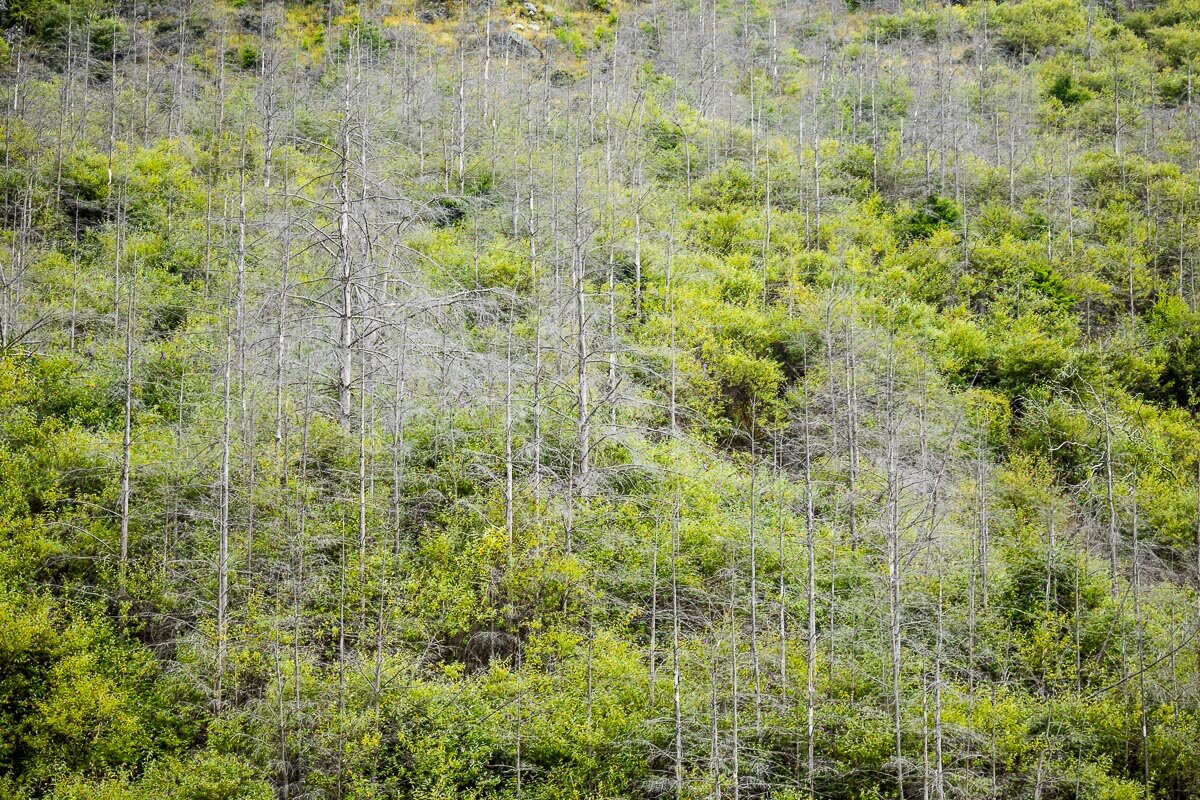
(754, 671)
(579, 275)
(676, 679)
(1109, 495)
(894, 561)
(981, 507)
(508, 441)
(127, 427)
(654, 615)
(851, 367)
(810, 546)
(223, 531)
(345, 333)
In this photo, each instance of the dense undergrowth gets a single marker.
(609, 400)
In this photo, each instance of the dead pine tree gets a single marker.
(119, 242)
(676, 671)
(344, 343)
(894, 560)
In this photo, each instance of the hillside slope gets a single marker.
(610, 400)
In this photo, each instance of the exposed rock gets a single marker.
(520, 46)
(432, 11)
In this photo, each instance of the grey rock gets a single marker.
(520, 46)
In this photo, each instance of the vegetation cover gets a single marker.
(674, 399)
